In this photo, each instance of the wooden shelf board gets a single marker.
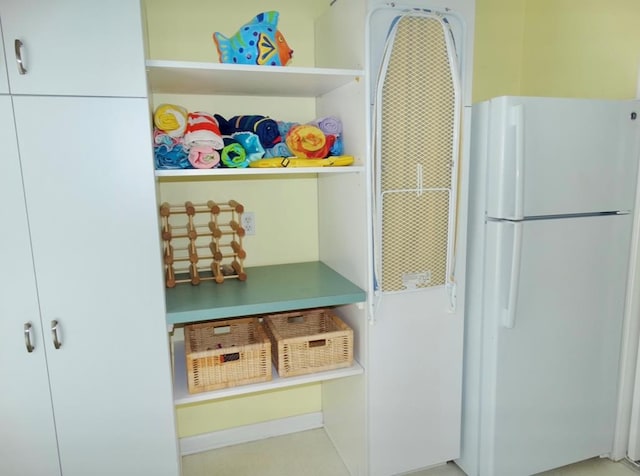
(182, 396)
(267, 289)
(182, 77)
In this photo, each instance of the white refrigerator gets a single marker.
(551, 199)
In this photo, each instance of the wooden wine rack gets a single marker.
(202, 242)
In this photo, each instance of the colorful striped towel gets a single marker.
(202, 129)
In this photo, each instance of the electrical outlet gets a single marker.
(249, 223)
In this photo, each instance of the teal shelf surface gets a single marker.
(267, 289)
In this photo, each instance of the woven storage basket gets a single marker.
(224, 354)
(309, 341)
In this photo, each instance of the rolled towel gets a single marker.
(171, 157)
(202, 129)
(309, 142)
(265, 128)
(338, 146)
(233, 154)
(171, 119)
(278, 150)
(285, 127)
(162, 138)
(250, 142)
(203, 157)
(330, 125)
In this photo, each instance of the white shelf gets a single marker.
(182, 396)
(183, 77)
(258, 171)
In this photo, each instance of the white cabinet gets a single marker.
(74, 47)
(84, 358)
(25, 401)
(93, 230)
(94, 240)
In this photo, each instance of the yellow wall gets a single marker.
(581, 48)
(499, 36)
(567, 48)
(182, 30)
(201, 418)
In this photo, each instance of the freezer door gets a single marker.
(557, 156)
(550, 369)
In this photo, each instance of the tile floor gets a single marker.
(592, 467)
(310, 453)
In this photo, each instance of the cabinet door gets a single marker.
(75, 47)
(27, 433)
(90, 192)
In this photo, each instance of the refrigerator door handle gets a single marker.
(517, 120)
(509, 314)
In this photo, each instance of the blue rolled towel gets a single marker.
(285, 127)
(338, 147)
(279, 150)
(167, 157)
(251, 144)
(265, 128)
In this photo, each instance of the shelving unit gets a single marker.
(267, 289)
(339, 208)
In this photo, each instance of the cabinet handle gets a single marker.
(18, 49)
(27, 337)
(57, 343)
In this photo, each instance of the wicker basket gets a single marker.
(224, 354)
(309, 341)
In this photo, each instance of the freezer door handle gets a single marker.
(509, 314)
(517, 120)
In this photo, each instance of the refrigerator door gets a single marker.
(558, 156)
(550, 368)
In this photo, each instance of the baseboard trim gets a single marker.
(243, 434)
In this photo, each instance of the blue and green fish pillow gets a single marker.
(257, 42)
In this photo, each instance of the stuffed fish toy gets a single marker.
(257, 42)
